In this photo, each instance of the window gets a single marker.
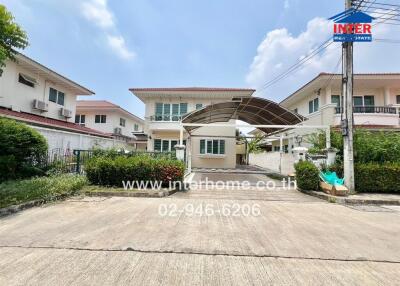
(56, 96)
(313, 105)
(336, 99)
(122, 122)
(398, 99)
(80, 119)
(296, 110)
(161, 145)
(277, 148)
(216, 146)
(366, 100)
(170, 112)
(27, 80)
(100, 119)
(136, 127)
(199, 106)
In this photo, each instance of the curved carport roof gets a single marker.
(253, 110)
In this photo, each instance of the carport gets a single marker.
(260, 113)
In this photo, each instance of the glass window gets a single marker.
(53, 95)
(202, 146)
(173, 144)
(398, 99)
(369, 100)
(122, 122)
(159, 111)
(199, 106)
(296, 110)
(80, 119)
(221, 146)
(209, 146)
(26, 80)
(100, 118)
(310, 106)
(165, 145)
(60, 98)
(215, 146)
(136, 127)
(336, 99)
(316, 104)
(358, 101)
(76, 118)
(167, 112)
(183, 108)
(157, 145)
(175, 112)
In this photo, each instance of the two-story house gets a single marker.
(111, 119)
(376, 103)
(210, 147)
(46, 100)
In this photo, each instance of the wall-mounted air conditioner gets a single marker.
(66, 113)
(118, 131)
(40, 105)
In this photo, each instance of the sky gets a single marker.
(110, 46)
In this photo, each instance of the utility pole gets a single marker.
(348, 120)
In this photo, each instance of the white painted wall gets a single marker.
(275, 161)
(112, 122)
(19, 97)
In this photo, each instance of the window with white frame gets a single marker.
(122, 122)
(100, 118)
(26, 80)
(56, 96)
(170, 111)
(166, 145)
(397, 99)
(136, 127)
(313, 105)
(199, 106)
(212, 146)
(80, 119)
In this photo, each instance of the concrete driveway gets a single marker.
(295, 240)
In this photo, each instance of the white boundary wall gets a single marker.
(273, 161)
(59, 139)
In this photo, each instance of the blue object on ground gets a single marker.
(331, 178)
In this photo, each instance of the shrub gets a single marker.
(307, 176)
(42, 188)
(374, 177)
(23, 150)
(112, 170)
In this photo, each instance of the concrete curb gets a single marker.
(132, 194)
(349, 200)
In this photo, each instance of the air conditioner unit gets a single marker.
(40, 105)
(118, 131)
(66, 113)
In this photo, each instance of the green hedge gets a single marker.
(307, 176)
(374, 177)
(23, 150)
(42, 188)
(111, 171)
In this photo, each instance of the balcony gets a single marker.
(370, 109)
(371, 115)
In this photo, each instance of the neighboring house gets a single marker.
(111, 119)
(46, 100)
(211, 147)
(376, 101)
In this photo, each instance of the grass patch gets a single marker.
(40, 188)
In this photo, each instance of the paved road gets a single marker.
(296, 240)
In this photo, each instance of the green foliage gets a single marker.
(368, 146)
(11, 37)
(111, 171)
(40, 188)
(23, 150)
(253, 144)
(307, 176)
(374, 177)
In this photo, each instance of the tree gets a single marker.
(12, 37)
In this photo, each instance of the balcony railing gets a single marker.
(165, 118)
(370, 109)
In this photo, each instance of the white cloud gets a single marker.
(98, 13)
(280, 50)
(117, 43)
(286, 5)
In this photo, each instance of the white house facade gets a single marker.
(208, 147)
(46, 100)
(113, 120)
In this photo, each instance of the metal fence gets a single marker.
(67, 161)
